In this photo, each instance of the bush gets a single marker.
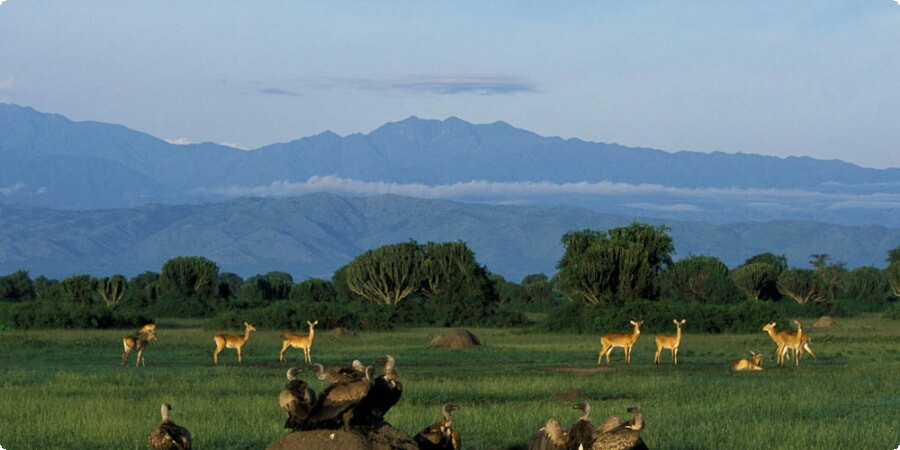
(744, 317)
(892, 312)
(53, 314)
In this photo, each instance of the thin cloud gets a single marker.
(277, 92)
(443, 85)
(179, 141)
(502, 192)
(12, 189)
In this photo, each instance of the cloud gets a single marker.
(12, 189)
(277, 91)
(443, 85)
(516, 192)
(179, 141)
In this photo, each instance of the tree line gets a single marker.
(600, 276)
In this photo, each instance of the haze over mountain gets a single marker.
(47, 160)
(89, 197)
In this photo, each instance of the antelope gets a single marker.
(800, 341)
(754, 363)
(303, 341)
(670, 342)
(234, 341)
(149, 328)
(625, 340)
(138, 342)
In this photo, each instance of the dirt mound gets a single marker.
(341, 332)
(576, 370)
(456, 339)
(384, 437)
(574, 394)
(825, 322)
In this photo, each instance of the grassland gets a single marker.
(64, 389)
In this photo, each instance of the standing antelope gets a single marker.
(138, 342)
(749, 364)
(669, 342)
(625, 340)
(793, 342)
(234, 341)
(800, 341)
(303, 341)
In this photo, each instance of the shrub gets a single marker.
(892, 312)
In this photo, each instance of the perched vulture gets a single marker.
(581, 433)
(440, 435)
(336, 403)
(340, 374)
(169, 435)
(551, 436)
(296, 400)
(617, 434)
(385, 393)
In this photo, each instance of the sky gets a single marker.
(798, 78)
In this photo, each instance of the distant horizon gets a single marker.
(815, 79)
(413, 116)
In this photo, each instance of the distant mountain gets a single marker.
(312, 235)
(49, 161)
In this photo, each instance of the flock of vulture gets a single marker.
(356, 398)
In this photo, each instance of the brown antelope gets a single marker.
(669, 342)
(625, 340)
(302, 341)
(800, 341)
(234, 341)
(149, 328)
(138, 342)
(754, 363)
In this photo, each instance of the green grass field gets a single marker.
(64, 389)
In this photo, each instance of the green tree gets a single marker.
(893, 255)
(780, 262)
(831, 273)
(230, 285)
(702, 279)
(865, 283)
(803, 285)
(615, 267)
(79, 289)
(16, 287)
(314, 290)
(260, 289)
(143, 291)
(893, 276)
(534, 278)
(755, 279)
(386, 275)
(458, 289)
(188, 285)
(112, 290)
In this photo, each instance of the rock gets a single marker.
(456, 339)
(382, 437)
(341, 332)
(574, 394)
(825, 322)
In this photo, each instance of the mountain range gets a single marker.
(90, 197)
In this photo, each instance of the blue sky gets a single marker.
(814, 78)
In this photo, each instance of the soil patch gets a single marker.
(576, 370)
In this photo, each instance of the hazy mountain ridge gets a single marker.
(119, 167)
(313, 235)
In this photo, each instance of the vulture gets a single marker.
(440, 435)
(296, 400)
(169, 435)
(617, 434)
(340, 374)
(551, 436)
(581, 433)
(336, 403)
(385, 393)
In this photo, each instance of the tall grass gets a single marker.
(65, 388)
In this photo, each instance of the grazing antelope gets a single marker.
(234, 341)
(624, 340)
(302, 341)
(138, 342)
(754, 363)
(669, 342)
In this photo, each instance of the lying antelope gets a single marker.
(625, 340)
(234, 341)
(754, 363)
(301, 341)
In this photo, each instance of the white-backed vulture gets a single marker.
(169, 435)
(440, 435)
(334, 407)
(617, 434)
(385, 393)
(297, 400)
(551, 436)
(336, 375)
(581, 433)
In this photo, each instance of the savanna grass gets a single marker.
(64, 389)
